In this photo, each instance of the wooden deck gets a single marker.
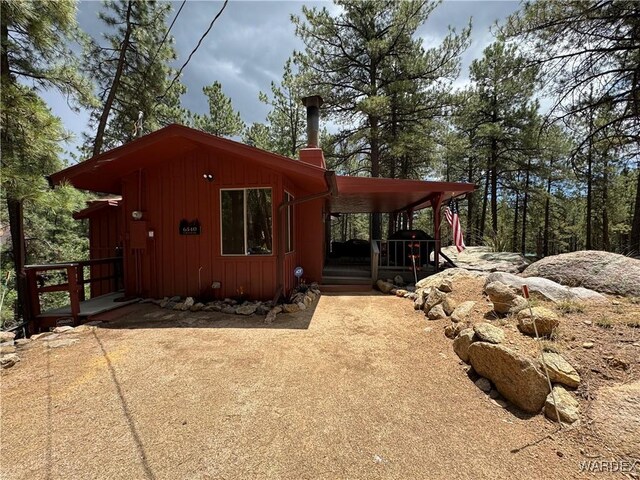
(88, 308)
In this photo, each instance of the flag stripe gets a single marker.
(453, 218)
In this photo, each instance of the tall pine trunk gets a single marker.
(525, 205)
(115, 85)
(547, 213)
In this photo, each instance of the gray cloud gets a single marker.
(248, 46)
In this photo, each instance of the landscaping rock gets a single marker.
(545, 288)
(398, 280)
(7, 336)
(448, 305)
(462, 342)
(175, 299)
(603, 272)
(462, 311)
(196, 307)
(22, 342)
(545, 321)
(63, 329)
(504, 299)
(247, 309)
(262, 309)
(384, 287)
(271, 316)
(421, 298)
(400, 292)
(228, 310)
(290, 307)
(515, 376)
(561, 371)
(38, 336)
(302, 306)
(5, 349)
(567, 405)
(189, 302)
(436, 313)
(488, 333)
(8, 361)
(445, 285)
(435, 297)
(588, 345)
(483, 384)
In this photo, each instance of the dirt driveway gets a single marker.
(354, 388)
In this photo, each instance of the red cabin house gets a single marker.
(193, 213)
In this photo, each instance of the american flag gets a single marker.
(453, 217)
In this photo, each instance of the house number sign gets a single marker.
(189, 228)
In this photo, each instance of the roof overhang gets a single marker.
(95, 206)
(386, 195)
(104, 172)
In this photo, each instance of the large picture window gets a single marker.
(289, 222)
(246, 221)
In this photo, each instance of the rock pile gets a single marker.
(300, 299)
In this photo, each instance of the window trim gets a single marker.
(244, 208)
(290, 234)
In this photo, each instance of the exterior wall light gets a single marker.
(136, 215)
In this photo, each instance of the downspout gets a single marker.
(332, 189)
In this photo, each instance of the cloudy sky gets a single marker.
(248, 45)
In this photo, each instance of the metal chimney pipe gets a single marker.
(313, 104)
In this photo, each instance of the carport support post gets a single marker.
(437, 203)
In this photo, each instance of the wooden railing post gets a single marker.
(72, 277)
(81, 282)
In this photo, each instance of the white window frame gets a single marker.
(244, 209)
(289, 227)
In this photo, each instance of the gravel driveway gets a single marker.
(359, 386)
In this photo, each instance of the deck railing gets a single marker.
(401, 254)
(75, 281)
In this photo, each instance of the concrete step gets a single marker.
(340, 280)
(357, 288)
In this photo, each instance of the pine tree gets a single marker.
(222, 119)
(590, 52)
(287, 116)
(358, 59)
(132, 74)
(34, 55)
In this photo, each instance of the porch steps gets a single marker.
(345, 288)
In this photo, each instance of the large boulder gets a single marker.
(452, 274)
(600, 271)
(483, 259)
(545, 288)
(567, 406)
(615, 415)
(515, 376)
(545, 321)
(561, 371)
(504, 298)
(462, 342)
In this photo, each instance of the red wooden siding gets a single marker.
(105, 234)
(174, 264)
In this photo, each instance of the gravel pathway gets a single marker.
(357, 387)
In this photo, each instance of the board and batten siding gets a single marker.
(105, 235)
(174, 264)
